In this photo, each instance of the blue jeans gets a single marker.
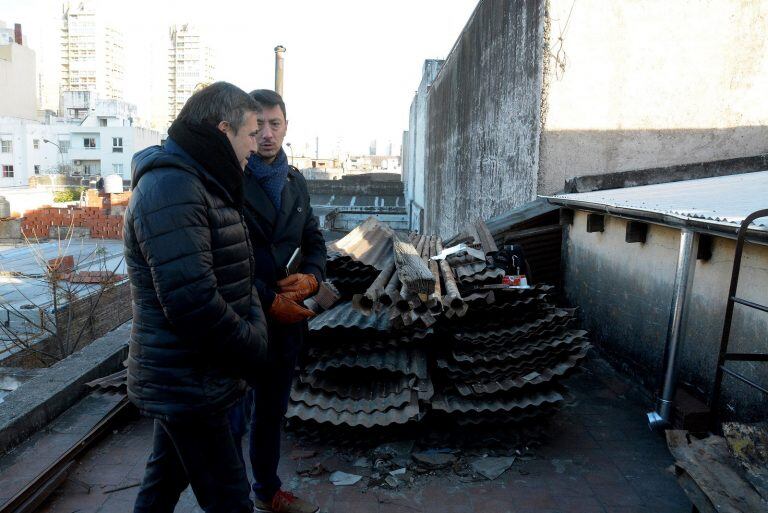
(201, 453)
(265, 404)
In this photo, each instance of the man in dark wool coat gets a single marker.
(199, 332)
(290, 253)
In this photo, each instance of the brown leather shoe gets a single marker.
(285, 502)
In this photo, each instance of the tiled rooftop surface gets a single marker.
(597, 455)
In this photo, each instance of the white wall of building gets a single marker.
(28, 152)
(111, 150)
(633, 85)
(17, 81)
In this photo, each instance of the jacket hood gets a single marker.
(171, 156)
(156, 157)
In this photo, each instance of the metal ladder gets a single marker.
(725, 355)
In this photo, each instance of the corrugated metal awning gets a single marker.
(717, 204)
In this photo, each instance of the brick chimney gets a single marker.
(17, 37)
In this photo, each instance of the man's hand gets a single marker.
(287, 311)
(297, 287)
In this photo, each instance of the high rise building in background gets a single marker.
(190, 65)
(91, 52)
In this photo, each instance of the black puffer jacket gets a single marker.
(198, 327)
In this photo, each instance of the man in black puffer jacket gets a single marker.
(198, 328)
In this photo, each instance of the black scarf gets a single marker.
(211, 148)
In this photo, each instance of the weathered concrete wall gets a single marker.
(41, 399)
(642, 84)
(484, 117)
(624, 295)
(416, 147)
(10, 230)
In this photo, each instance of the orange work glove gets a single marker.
(298, 287)
(287, 311)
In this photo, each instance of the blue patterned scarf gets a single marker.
(272, 176)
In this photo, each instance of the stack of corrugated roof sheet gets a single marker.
(497, 353)
(355, 260)
(359, 372)
(360, 369)
(503, 359)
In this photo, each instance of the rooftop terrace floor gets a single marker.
(595, 456)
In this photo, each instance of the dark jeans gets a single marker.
(265, 405)
(201, 453)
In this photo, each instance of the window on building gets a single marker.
(87, 169)
(7, 171)
(37, 169)
(64, 146)
(6, 146)
(102, 121)
(89, 142)
(36, 144)
(117, 144)
(117, 169)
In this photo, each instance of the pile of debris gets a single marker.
(413, 312)
(504, 353)
(361, 369)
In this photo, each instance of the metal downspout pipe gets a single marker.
(686, 264)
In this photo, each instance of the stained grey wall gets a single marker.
(416, 145)
(624, 294)
(484, 115)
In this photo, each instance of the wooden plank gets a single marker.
(367, 302)
(486, 239)
(714, 472)
(452, 298)
(435, 304)
(391, 291)
(413, 271)
(749, 445)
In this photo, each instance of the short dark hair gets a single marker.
(269, 98)
(220, 101)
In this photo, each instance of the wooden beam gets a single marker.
(414, 273)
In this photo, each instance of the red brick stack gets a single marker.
(94, 198)
(102, 225)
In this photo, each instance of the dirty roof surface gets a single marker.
(725, 200)
(595, 456)
(24, 289)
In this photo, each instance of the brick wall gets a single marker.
(101, 224)
(94, 198)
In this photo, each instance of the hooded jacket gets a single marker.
(198, 328)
